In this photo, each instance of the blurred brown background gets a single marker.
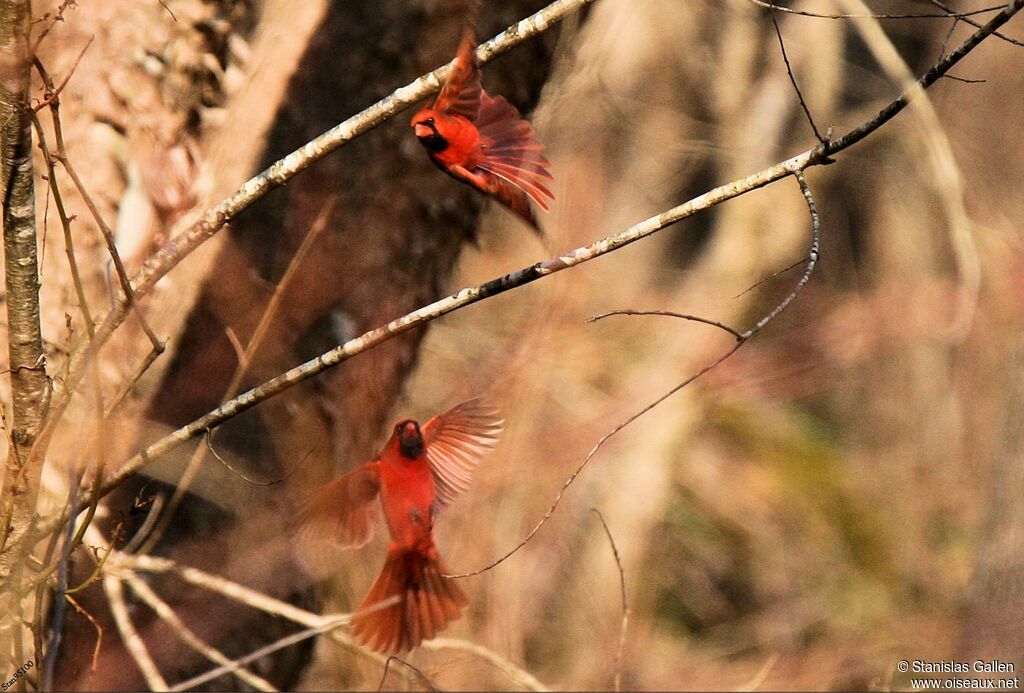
(840, 495)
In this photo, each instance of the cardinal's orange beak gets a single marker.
(422, 130)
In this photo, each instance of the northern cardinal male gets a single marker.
(483, 141)
(419, 471)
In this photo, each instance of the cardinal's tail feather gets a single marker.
(426, 604)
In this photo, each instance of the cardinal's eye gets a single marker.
(428, 121)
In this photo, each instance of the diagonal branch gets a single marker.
(129, 636)
(164, 611)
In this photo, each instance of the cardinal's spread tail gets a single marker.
(427, 603)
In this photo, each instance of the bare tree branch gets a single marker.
(164, 611)
(130, 637)
(65, 222)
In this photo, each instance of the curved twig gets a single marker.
(625, 604)
(419, 674)
(743, 338)
(668, 313)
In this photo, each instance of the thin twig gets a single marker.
(273, 647)
(54, 94)
(98, 570)
(792, 78)
(514, 673)
(142, 532)
(812, 260)
(742, 339)
(187, 636)
(53, 101)
(163, 4)
(593, 451)
(946, 176)
(625, 604)
(949, 35)
(58, 16)
(95, 624)
(964, 80)
(950, 12)
(771, 276)
(215, 583)
(126, 388)
(65, 222)
(872, 15)
(926, 80)
(694, 318)
(130, 637)
(238, 473)
(419, 674)
(57, 618)
(51, 547)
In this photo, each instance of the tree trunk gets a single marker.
(29, 384)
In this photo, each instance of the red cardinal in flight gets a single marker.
(483, 141)
(420, 471)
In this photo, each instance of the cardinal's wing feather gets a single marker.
(511, 151)
(461, 92)
(455, 441)
(344, 510)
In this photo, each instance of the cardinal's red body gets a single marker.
(483, 141)
(419, 471)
